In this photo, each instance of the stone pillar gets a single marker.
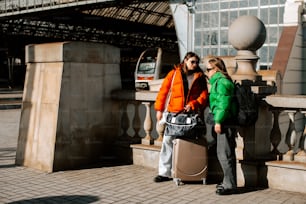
(182, 20)
(66, 119)
(247, 34)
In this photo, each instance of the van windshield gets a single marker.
(146, 68)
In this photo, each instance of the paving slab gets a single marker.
(124, 184)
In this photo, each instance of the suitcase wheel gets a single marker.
(177, 181)
(204, 181)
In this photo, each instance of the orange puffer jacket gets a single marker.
(197, 96)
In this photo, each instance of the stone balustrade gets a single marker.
(137, 126)
(288, 141)
(135, 108)
(294, 106)
(286, 133)
(138, 122)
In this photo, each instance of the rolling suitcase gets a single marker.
(189, 160)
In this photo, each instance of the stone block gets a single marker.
(251, 174)
(83, 52)
(300, 156)
(146, 155)
(66, 120)
(289, 176)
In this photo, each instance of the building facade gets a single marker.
(213, 18)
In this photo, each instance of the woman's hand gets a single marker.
(187, 108)
(159, 115)
(218, 128)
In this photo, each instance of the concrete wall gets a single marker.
(66, 119)
(9, 126)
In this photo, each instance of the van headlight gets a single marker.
(141, 86)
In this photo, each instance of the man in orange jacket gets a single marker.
(187, 88)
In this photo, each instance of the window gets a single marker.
(264, 2)
(197, 37)
(206, 38)
(234, 4)
(223, 51)
(263, 54)
(243, 3)
(224, 19)
(253, 12)
(214, 38)
(273, 35)
(243, 12)
(224, 5)
(273, 12)
(224, 37)
(214, 18)
(264, 15)
(272, 50)
(253, 3)
(205, 20)
(233, 15)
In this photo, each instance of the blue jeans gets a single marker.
(165, 158)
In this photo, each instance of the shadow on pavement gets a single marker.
(7, 157)
(242, 190)
(67, 199)
(7, 166)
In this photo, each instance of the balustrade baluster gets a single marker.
(147, 140)
(135, 139)
(160, 130)
(124, 119)
(275, 134)
(301, 155)
(290, 137)
(136, 119)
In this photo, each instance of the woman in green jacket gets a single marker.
(220, 103)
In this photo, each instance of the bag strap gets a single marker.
(169, 92)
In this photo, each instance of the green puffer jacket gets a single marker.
(220, 97)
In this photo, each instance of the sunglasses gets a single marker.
(209, 69)
(194, 62)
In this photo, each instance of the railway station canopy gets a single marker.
(124, 24)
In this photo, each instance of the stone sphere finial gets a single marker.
(247, 33)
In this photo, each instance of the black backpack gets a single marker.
(247, 105)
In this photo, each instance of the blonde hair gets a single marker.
(219, 64)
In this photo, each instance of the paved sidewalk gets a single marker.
(120, 184)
